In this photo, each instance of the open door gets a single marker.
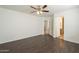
(61, 27)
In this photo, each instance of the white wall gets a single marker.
(71, 24)
(16, 25)
(51, 22)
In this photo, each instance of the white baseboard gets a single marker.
(73, 41)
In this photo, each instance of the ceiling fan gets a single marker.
(39, 9)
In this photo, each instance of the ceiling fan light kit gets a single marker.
(39, 12)
(40, 9)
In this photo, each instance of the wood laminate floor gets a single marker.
(39, 44)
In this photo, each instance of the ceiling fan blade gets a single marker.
(44, 6)
(32, 7)
(45, 10)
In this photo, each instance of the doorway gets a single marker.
(61, 29)
(46, 27)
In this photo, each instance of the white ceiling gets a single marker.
(26, 8)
